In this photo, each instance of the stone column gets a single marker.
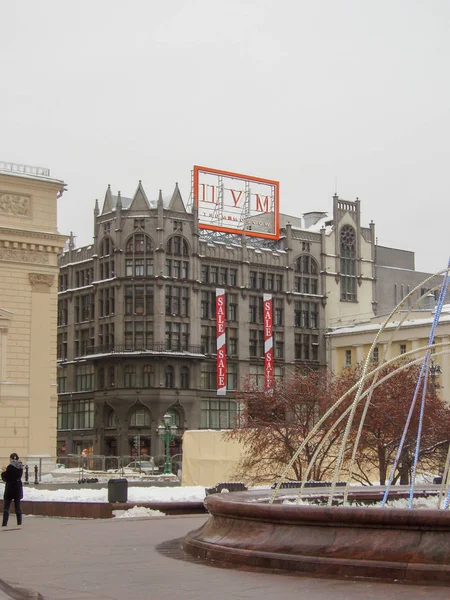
(43, 397)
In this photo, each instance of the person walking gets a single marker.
(12, 476)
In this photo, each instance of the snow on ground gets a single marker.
(137, 511)
(135, 494)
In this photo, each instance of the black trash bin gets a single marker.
(117, 490)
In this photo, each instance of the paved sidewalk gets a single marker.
(117, 559)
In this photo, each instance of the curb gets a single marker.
(17, 592)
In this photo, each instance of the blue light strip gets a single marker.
(423, 372)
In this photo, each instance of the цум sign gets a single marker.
(233, 203)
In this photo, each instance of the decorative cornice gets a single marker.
(54, 238)
(26, 256)
(17, 205)
(41, 278)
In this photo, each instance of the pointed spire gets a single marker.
(140, 200)
(96, 208)
(176, 202)
(160, 199)
(71, 241)
(108, 202)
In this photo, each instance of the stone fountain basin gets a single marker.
(245, 530)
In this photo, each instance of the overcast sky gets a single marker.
(322, 95)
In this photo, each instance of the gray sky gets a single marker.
(308, 92)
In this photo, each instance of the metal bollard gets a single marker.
(26, 474)
(36, 480)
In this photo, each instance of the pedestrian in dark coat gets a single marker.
(12, 476)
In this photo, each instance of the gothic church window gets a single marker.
(348, 263)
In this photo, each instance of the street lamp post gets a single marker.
(166, 431)
(435, 370)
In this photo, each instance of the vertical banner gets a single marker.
(221, 360)
(268, 342)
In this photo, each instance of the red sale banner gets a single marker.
(268, 341)
(221, 361)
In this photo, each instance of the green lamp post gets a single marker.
(166, 431)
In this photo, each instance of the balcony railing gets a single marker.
(156, 347)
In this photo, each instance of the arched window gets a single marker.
(169, 376)
(138, 243)
(178, 246)
(139, 256)
(112, 418)
(184, 378)
(140, 418)
(176, 417)
(306, 279)
(348, 263)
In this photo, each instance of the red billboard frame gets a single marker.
(230, 174)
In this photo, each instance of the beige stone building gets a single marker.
(29, 247)
(349, 345)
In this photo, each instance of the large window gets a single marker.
(232, 341)
(83, 414)
(138, 299)
(107, 302)
(129, 376)
(279, 344)
(84, 341)
(169, 376)
(84, 378)
(76, 414)
(63, 311)
(256, 373)
(106, 259)
(63, 415)
(177, 336)
(175, 416)
(62, 346)
(218, 414)
(208, 305)
(177, 246)
(232, 304)
(84, 277)
(256, 343)
(138, 335)
(278, 313)
(140, 418)
(306, 275)
(84, 308)
(148, 376)
(306, 346)
(178, 269)
(255, 309)
(139, 256)
(106, 336)
(208, 379)
(177, 301)
(184, 378)
(208, 340)
(232, 376)
(61, 382)
(348, 263)
(306, 315)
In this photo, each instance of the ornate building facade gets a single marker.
(136, 314)
(29, 249)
